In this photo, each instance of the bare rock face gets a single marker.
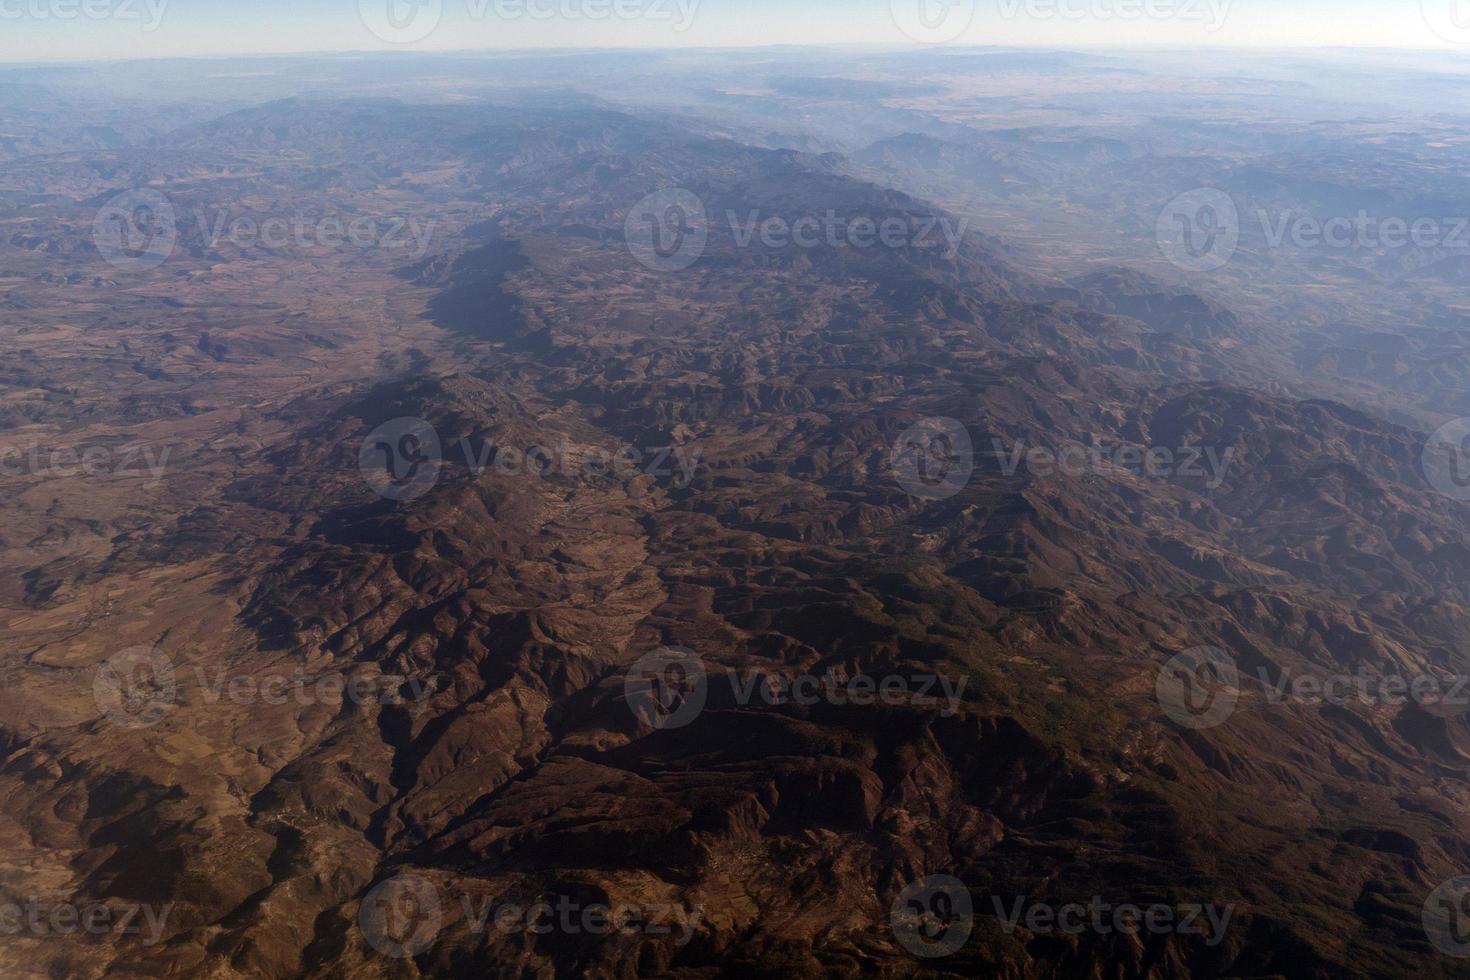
(659, 629)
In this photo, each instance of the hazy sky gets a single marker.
(86, 29)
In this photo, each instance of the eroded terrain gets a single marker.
(763, 524)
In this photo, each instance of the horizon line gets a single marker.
(738, 48)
